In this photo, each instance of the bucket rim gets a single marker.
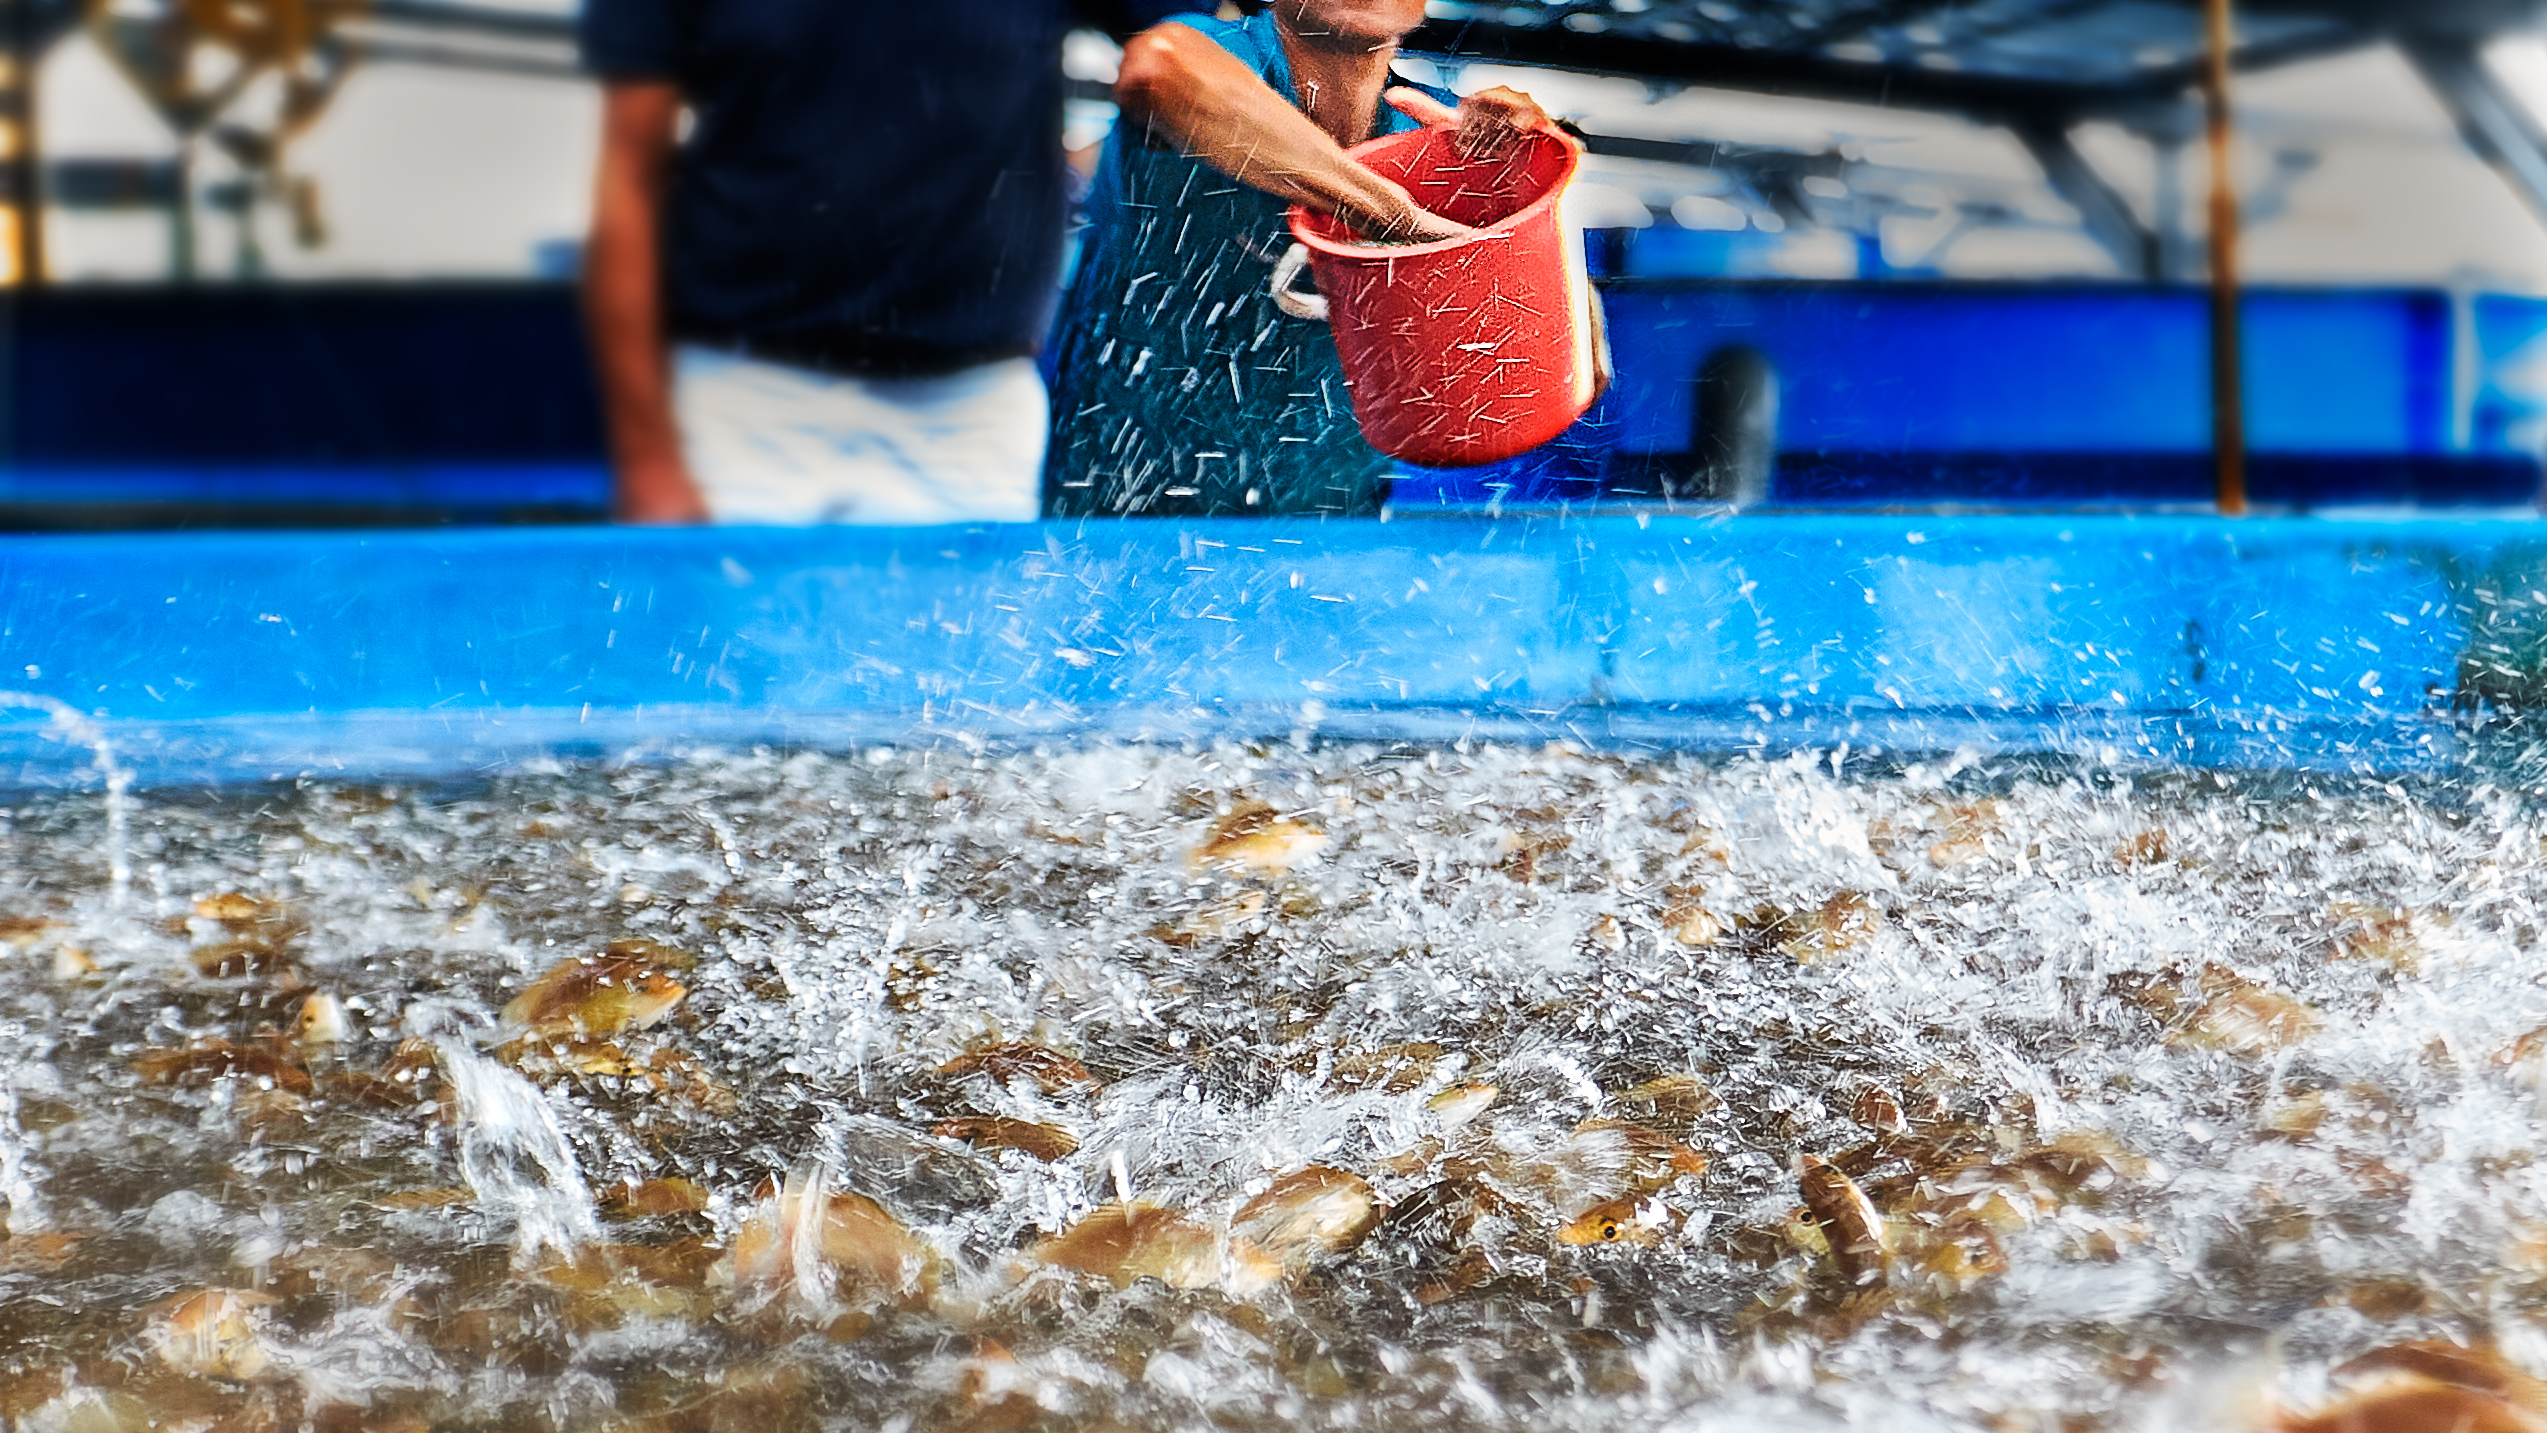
(1297, 217)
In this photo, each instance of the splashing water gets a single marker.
(2141, 1076)
(118, 778)
(24, 1214)
(516, 1159)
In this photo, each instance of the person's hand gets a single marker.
(1415, 224)
(657, 492)
(1490, 120)
(1387, 214)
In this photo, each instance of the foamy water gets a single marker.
(2206, 1083)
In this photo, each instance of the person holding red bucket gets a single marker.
(1182, 386)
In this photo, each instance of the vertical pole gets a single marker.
(21, 165)
(2228, 398)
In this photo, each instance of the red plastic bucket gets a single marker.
(1467, 350)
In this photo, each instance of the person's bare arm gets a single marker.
(623, 306)
(1212, 105)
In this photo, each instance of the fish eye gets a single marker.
(1609, 1230)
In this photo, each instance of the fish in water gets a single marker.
(1601, 1160)
(1840, 924)
(1454, 1233)
(829, 1248)
(1307, 1217)
(215, 1333)
(1126, 1242)
(321, 1025)
(1850, 1223)
(1688, 919)
(1672, 1104)
(1051, 1071)
(213, 1058)
(1043, 1141)
(2243, 1017)
(1878, 1112)
(626, 987)
(2427, 1386)
(1255, 839)
(234, 959)
(1459, 1104)
(239, 908)
(638, 1199)
(1630, 1220)
(25, 931)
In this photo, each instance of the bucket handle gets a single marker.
(1312, 307)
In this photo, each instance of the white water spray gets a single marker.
(516, 1158)
(17, 1180)
(119, 779)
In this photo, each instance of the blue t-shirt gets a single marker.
(867, 188)
(1179, 389)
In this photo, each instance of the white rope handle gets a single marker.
(1312, 307)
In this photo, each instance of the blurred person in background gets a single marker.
(825, 244)
(1181, 389)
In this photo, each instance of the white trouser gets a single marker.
(772, 444)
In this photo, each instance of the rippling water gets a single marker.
(2167, 1094)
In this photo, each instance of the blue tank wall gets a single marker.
(2269, 642)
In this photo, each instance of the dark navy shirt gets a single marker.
(867, 186)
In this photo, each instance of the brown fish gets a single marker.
(2243, 1017)
(1618, 1221)
(545, 1057)
(1044, 1142)
(234, 959)
(1307, 1217)
(1053, 1073)
(638, 1199)
(1642, 1159)
(216, 1333)
(235, 908)
(1451, 1231)
(321, 1025)
(1968, 829)
(24, 931)
(2413, 1403)
(1689, 921)
(1671, 1103)
(870, 1258)
(406, 1081)
(1459, 1104)
(411, 1199)
(2479, 1366)
(675, 1076)
(2386, 934)
(213, 1059)
(1840, 924)
(625, 987)
(1849, 1221)
(1126, 1243)
(1255, 839)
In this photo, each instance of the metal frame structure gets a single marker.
(2040, 68)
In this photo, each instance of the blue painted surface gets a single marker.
(477, 400)
(488, 488)
(2150, 639)
(2060, 393)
